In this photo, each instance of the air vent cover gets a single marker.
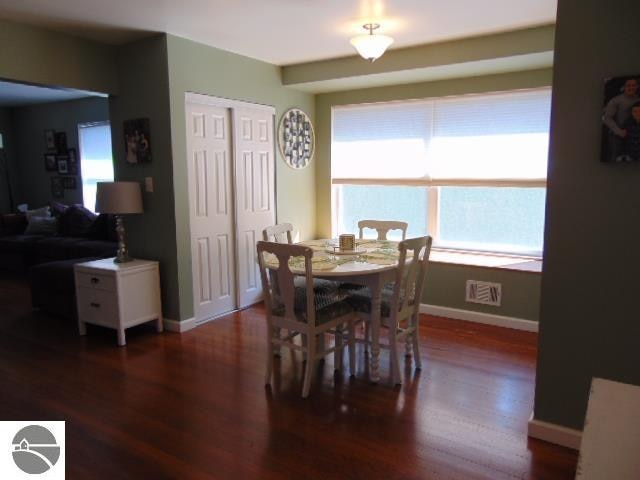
(486, 293)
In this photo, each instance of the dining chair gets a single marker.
(280, 233)
(400, 302)
(382, 227)
(311, 312)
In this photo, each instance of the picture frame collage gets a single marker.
(61, 159)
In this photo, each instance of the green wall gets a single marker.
(144, 93)
(151, 77)
(36, 55)
(29, 124)
(194, 67)
(446, 283)
(8, 160)
(446, 286)
(588, 315)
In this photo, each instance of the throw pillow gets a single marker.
(57, 209)
(42, 226)
(75, 221)
(39, 212)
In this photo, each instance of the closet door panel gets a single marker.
(255, 187)
(209, 169)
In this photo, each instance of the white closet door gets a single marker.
(211, 209)
(255, 193)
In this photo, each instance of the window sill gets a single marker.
(475, 259)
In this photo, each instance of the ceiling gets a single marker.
(20, 95)
(281, 32)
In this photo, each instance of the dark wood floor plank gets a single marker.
(194, 406)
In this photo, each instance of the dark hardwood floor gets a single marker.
(193, 406)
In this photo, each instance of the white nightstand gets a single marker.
(118, 295)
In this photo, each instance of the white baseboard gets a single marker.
(557, 434)
(179, 327)
(479, 317)
(188, 324)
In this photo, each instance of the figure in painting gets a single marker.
(616, 113)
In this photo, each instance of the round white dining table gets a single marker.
(373, 265)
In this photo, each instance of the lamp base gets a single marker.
(122, 259)
(122, 256)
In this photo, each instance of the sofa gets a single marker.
(48, 243)
(78, 233)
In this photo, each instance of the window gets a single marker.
(468, 170)
(96, 160)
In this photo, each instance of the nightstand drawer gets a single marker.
(97, 306)
(102, 282)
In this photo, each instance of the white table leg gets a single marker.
(375, 332)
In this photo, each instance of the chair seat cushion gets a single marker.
(361, 301)
(330, 301)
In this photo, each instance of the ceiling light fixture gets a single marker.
(371, 46)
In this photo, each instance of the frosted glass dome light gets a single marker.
(371, 46)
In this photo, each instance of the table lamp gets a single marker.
(119, 198)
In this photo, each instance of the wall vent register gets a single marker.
(486, 293)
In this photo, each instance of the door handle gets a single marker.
(95, 305)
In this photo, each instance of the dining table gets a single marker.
(372, 264)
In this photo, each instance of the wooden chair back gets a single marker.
(280, 233)
(410, 276)
(382, 227)
(279, 289)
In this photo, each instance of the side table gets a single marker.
(118, 295)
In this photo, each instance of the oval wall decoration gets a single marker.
(296, 138)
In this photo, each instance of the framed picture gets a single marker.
(296, 138)
(137, 140)
(69, 183)
(63, 166)
(50, 139)
(57, 188)
(61, 143)
(621, 120)
(50, 162)
(73, 157)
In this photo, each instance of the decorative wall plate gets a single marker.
(296, 138)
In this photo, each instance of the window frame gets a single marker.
(433, 185)
(81, 126)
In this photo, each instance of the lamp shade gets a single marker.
(371, 46)
(118, 197)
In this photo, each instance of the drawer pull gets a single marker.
(95, 280)
(95, 305)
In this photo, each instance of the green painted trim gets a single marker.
(486, 47)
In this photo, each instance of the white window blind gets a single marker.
(498, 136)
(369, 139)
